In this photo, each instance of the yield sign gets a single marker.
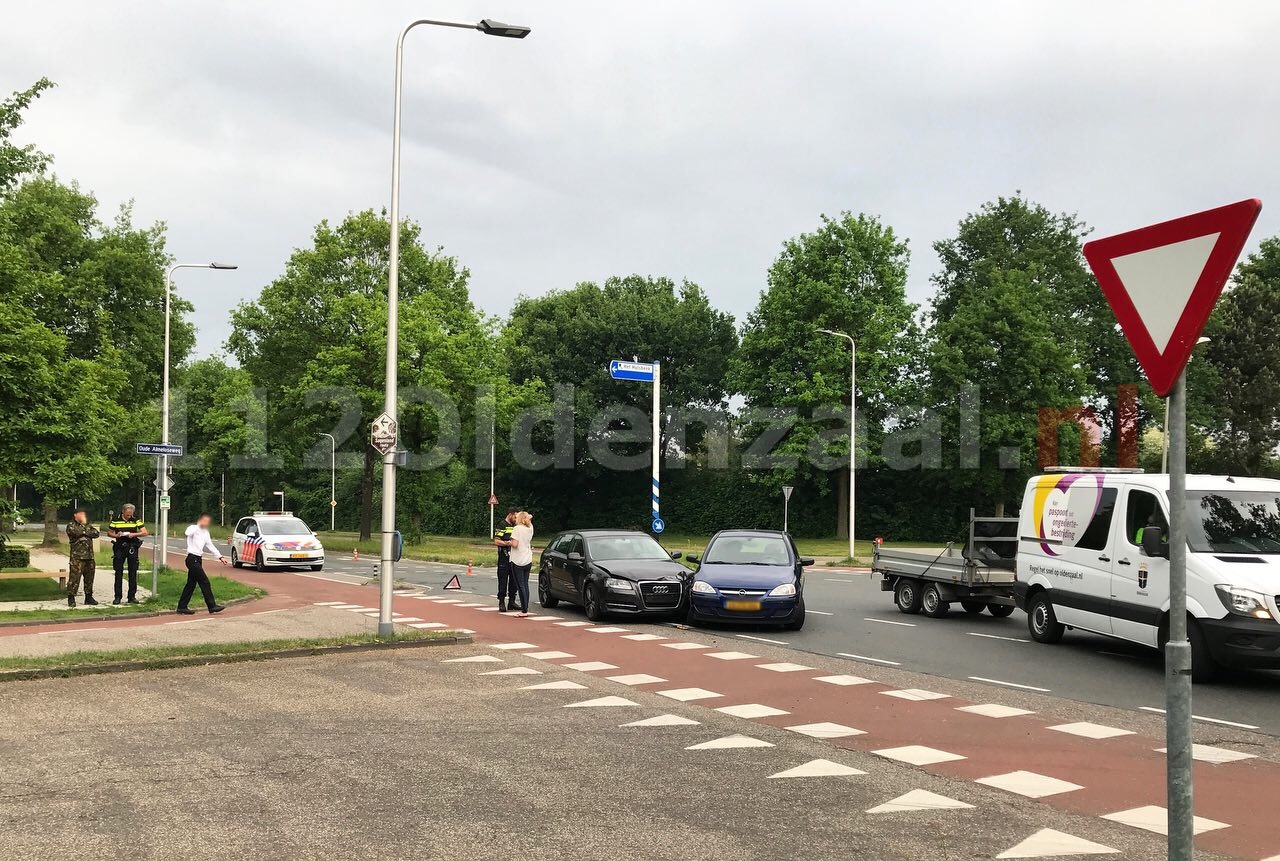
(1162, 282)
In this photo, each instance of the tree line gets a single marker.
(949, 394)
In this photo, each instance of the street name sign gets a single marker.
(384, 433)
(160, 448)
(636, 372)
(1162, 282)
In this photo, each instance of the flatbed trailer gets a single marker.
(978, 577)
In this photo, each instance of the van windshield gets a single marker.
(1233, 522)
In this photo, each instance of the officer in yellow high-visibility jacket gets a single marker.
(127, 531)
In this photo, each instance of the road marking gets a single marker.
(994, 710)
(548, 656)
(473, 659)
(826, 730)
(843, 681)
(866, 658)
(686, 695)
(919, 799)
(573, 624)
(751, 710)
(1206, 719)
(514, 671)
(608, 629)
(890, 622)
(513, 647)
(732, 656)
(1084, 729)
(642, 638)
(1047, 843)
(764, 640)
(783, 667)
(1216, 755)
(561, 685)
(1156, 819)
(421, 625)
(265, 612)
(637, 679)
(998, 637)
(601, 702)
(664, 720)
(589, 666)
(915, 695)
(820, 612)
(1029, 784)
(818, 768)
(918, 754)
(1009, 684)
(682, 645)
(730, 741)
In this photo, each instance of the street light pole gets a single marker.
(160, 549)
(391, 398)
(333, 481)
(853, 415)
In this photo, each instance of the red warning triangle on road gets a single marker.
(453, 583)
(1162, 282)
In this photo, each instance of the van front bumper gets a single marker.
(1236, 641)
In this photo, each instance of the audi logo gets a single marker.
(661, 589)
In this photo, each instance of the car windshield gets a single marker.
(1233, 522)
(625, 547)
(283, 526)
(748, 550)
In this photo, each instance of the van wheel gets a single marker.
(906, 594)
(1042, 622)
(1204, 668)
(931, 602)
(973, 608)
(1000, 611)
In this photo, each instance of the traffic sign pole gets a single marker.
(658, 524)
(1177, 660)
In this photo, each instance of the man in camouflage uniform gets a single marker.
(80, 535)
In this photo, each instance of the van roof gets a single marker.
(1160, 481)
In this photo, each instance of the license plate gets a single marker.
(299, 555)
(742, 605)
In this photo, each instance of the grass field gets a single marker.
(30, 589)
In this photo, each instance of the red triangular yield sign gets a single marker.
(1162, 282)
(453, 583)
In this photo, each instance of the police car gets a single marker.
(275, 539)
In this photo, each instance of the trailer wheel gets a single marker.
(906, 594)
(973, 608)
(1000, 611)
(1042, 623)
(931, 602)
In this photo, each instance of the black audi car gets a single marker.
(611, 571)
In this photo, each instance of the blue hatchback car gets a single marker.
(749, 575)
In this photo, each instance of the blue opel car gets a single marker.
(749, 575)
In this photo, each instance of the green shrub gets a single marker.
(12, 556)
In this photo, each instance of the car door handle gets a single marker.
(1124, 562)
(1104, 558)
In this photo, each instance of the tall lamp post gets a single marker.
(853, 414)
(162, 471)
(333, 481)
(279, 493)
(387, 562)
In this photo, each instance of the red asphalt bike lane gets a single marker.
(1117, 774)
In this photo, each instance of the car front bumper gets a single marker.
(772, 610)
(282, 559)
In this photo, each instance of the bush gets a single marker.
(14, 557)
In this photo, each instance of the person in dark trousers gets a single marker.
(127, 531)
(521, 559)
(80, 535)
(502, 540)
(198, 543)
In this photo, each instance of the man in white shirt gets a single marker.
(198, 542)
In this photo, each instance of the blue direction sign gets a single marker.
(161, 448)
(637, 372)
(658, 525)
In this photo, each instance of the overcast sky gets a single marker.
(686, 139)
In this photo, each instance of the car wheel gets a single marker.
(235, 560)
(931, 602)
(1000, 611)
(1042, 623)
(691, 616)
(591, 602)
(260, 562)
(545, 598)
(906, 595)
(317, 567)
(797, 621)
(973, 608)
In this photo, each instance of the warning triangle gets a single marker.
(453, 583)
(1048, 843)
(1162, 282)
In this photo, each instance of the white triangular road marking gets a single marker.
(664, 720)
(919, 799)
(562, 685)
(729, 742)
(818, 768)
(601, 702)
(1048, 843)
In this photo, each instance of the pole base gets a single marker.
(386, 630)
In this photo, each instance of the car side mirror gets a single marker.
(574, 557)
(805, 562)
(676, 554)
(1153, 542)
(692, 557)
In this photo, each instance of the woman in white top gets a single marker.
(522, 557)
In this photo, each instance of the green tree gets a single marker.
(848, 276)
(17, 162)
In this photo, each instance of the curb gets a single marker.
(113, 617)
(207, 660)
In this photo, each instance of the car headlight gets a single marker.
(702, 587)
(783, 591)
(1243, 602)
(613, 584)
(277, 547)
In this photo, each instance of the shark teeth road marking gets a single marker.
(1216, 755)
(730, 742)
(818, 768)
(844, 681)
(664, 720)
(1047, 843)
(421, 625)
(914, 695)
(608, 629)
(548, 656)
(732, 656)
(1029, 784)
(513, 647)
(826, 730)
(1156, 819)
(919, 799)
(687, 695)
(572, 624)
(682, 645)
(589, 666)
(561, 685)
(751, 710)
(783, 667)
(514, 671)
(994, 710)
(474, 659)
(601, 702)
(642, 638)
(1090, 730)
(918, 754)
(637, 679)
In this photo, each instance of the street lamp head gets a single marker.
(496, 28)
(223, 266)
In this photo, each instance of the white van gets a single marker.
(1093, 555)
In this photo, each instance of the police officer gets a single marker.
(80, 535)
(502, 540)
(127, 531)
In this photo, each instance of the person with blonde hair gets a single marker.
(522, 558)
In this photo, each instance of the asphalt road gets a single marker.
(850, 617)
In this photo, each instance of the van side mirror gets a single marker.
(1153, 542)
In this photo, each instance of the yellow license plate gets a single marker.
(299, 555)
(742, 605)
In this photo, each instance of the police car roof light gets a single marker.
(273, 514)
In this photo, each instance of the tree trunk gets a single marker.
(842, 504)
(366, 497)
(50, 524)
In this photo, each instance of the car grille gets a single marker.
(661, 594)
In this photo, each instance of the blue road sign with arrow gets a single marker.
(658, 525)
(636, 372)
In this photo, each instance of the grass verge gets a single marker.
(30, 588)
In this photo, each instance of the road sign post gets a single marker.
(384, 436)
(162, 451)
(648, 372)
(786, 502)
(1162, 282)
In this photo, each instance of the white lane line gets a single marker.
(1205, 719)
(829, 580)
(820, 612)
(998, 637)
(866, 658)
(1009, 684)
(890, 622)
(265, 612)
(764, 640)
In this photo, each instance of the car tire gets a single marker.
(260, 562)
(317, 567)
(931, 603)
(906, 594)
(591, 603)
(797, 621)
(1042, 622)
(973, 608)
(235, 560)
(1000, 611)
(691, 616)
(545, 598)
